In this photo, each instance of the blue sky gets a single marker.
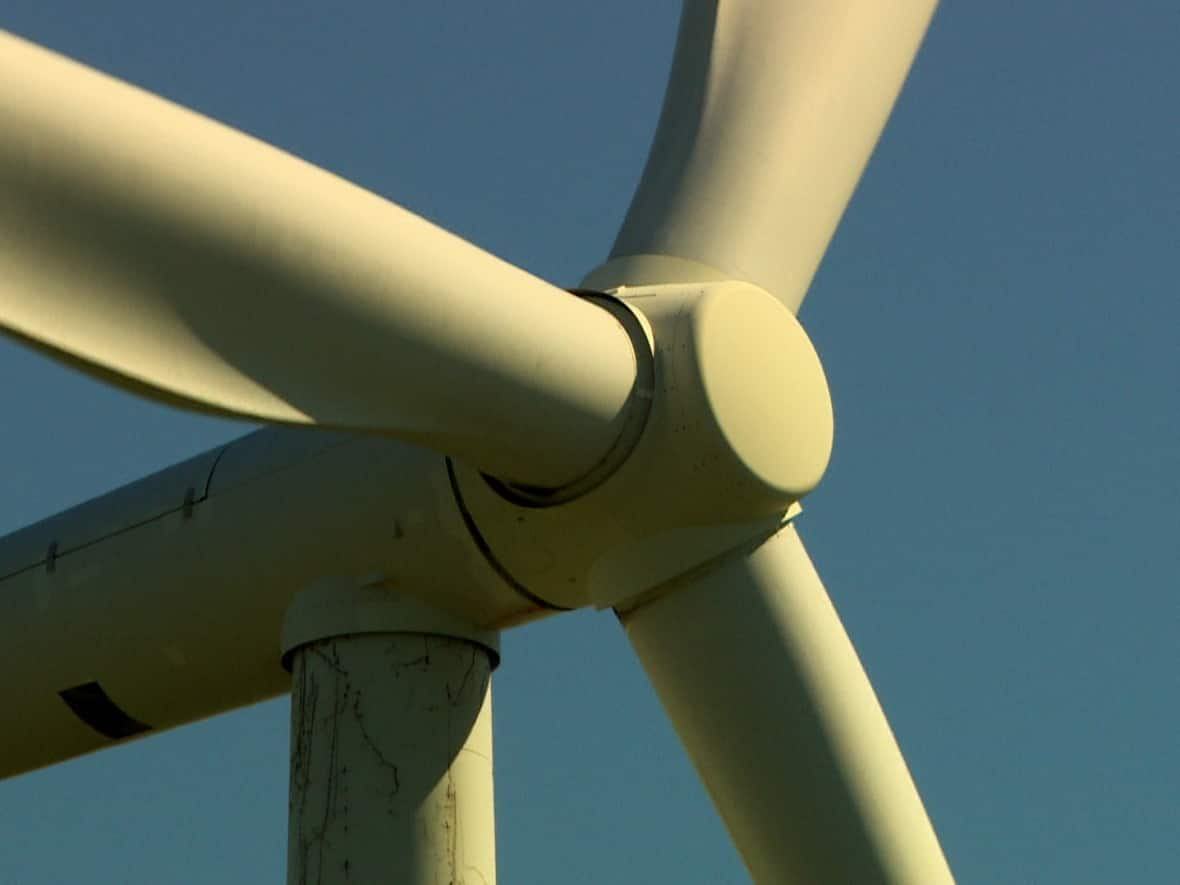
(999, 322)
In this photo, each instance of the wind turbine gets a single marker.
(643, 448)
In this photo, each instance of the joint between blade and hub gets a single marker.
(637, 409)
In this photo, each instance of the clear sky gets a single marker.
(999, 321)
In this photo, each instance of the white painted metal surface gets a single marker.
(762, 684)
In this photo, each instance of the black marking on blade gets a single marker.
(94, 707)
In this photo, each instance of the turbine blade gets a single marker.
(764, 687)
(771, 112)
(157, 249)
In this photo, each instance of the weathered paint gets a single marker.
(391, 762)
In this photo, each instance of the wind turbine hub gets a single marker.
(739, 430)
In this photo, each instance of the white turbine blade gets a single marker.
(165, 252)
(765, 690)
(772, 110)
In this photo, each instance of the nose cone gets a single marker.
(763, 398)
